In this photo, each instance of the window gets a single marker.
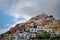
(32, 29)
(35, 25)
(35, 29)
(38, 28)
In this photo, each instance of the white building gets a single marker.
(32, 35)
(33, 29)
(32, 25)
(57, 33)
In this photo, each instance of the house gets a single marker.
(53, 34)
(33, 29)
(37, 25)
(21, 36)
(12, 30)
(43, 16)
(31, 25)
(40, 26)
(20, 29)
(26, 27)
(32, 35)
(48, 30)
(56, 33)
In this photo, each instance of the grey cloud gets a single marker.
(48, 6)
(5, 4)
(33, 7)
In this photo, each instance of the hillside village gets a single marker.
(39, 27)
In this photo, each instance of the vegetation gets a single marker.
(44, 36)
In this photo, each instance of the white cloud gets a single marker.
(21, 21)
(16, 15)
(3, 30)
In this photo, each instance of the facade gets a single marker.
(32, 35)
(55, 34)
(33, 29)
(26, 27)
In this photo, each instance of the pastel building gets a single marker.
(26, 27)
(56, 33)
(32, 35)
(33, 27)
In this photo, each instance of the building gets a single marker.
(55, 34)
(26, 27)
(33, 35)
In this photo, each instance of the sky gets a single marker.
(13, 12)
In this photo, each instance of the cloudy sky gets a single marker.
(16, 11)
